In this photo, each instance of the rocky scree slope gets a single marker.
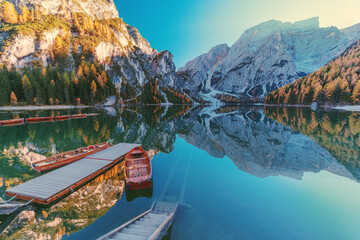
(265, 58)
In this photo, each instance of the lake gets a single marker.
(241, 172)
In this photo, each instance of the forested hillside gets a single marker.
(89, 85)
(336, 82)
(53, 55)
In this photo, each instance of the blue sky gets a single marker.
(189, 28)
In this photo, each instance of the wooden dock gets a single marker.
(50, 187)
(152, 224)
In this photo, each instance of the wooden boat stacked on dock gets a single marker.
(68, 157)
(19, 121)
(62, 118)
(12, 122)
(39, 119)
(138, 174)
(75, 116)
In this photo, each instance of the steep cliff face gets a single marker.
(267, 57)
(66, 32)
(195, 73)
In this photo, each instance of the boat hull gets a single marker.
(12, 122)
(138, 172)
(139, 185)
(61, 118)
(39, 119)
(76, 116)
(132, 194)
(65, 161)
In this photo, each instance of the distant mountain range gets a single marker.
(86, 43)
(265, 57)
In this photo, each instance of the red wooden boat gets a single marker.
(138, 174)
(12, 122)
(61, 118)
(75, 116)
(65, 158)
(39, 119)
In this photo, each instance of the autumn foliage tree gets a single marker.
(93, 88)
(13, 98)
(337, 82)
(10, 14)
(26, 14)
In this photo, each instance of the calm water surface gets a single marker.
(243, 172)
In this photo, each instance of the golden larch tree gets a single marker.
(10, 14)
(93, 88)
(13, 98)
(26, 15)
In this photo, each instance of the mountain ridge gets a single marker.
(268, 56)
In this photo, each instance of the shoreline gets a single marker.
(47, 107)
(349, 108)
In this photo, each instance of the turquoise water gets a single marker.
(226, 203)
(243, 175)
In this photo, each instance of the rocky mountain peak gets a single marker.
(215, 55)
(266, 57)
(272, 27)
(311, 23)
(98, 9)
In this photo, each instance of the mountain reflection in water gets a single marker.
(260, 142)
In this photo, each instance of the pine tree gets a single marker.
(27, 88)
(104, 77)
(4, 90)
(66, 80)
(38, 94)
(52, 90)
(10, 14)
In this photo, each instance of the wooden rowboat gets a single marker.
(12, 122)
(138, 174)
(39, 119)
(65, 158)
(75, 116)
(61, 118)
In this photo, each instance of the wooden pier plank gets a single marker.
(152, 224)
(57, 181)
(114, 152)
